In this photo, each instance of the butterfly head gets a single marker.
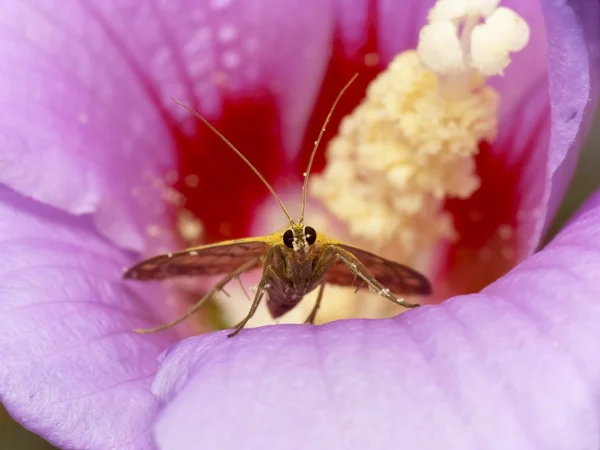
(299, 237)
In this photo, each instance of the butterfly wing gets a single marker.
(398, 278)
(214, 259)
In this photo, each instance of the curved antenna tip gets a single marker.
(318, 141)
(232, 147)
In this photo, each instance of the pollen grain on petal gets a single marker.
(190, 227)
(192, 180)
(153, 230)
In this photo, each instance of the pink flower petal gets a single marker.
(81, 129)
(88, 124)
(573, 30)
(72, 369)
(515, 366)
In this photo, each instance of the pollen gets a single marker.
(410, 145)
(295, 244)
(189, 226)
(153, 230)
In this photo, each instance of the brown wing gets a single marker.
(399, 279)
(214, 259)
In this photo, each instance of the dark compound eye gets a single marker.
(310, 234)
(288, 239)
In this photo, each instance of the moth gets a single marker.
(294, 261)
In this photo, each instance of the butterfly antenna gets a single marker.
(317, 142)
(232, 147)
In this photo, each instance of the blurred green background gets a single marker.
(585, 181)
(15, 437)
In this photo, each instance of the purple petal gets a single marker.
(72, 369)
(88, 125)
(515, 366)
(573, 30)
(80, 127)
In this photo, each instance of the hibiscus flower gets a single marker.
(99, 168)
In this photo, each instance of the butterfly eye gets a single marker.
(310, 234)
(288, 239)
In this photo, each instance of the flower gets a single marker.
(91, 180)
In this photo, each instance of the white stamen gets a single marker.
(439, 47)
(456, 9)
(492, 42)
(453, 41)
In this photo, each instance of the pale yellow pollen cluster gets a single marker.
(410, 144)
(405, 149)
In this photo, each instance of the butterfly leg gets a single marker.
(359, 269)
(260, 292)
(311, 318)
(216, 288)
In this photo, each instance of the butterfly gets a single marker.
(294, 261)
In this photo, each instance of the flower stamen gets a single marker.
(410, 145)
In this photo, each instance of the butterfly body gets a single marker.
(291, 273)
(287, 284)
(295, 262)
